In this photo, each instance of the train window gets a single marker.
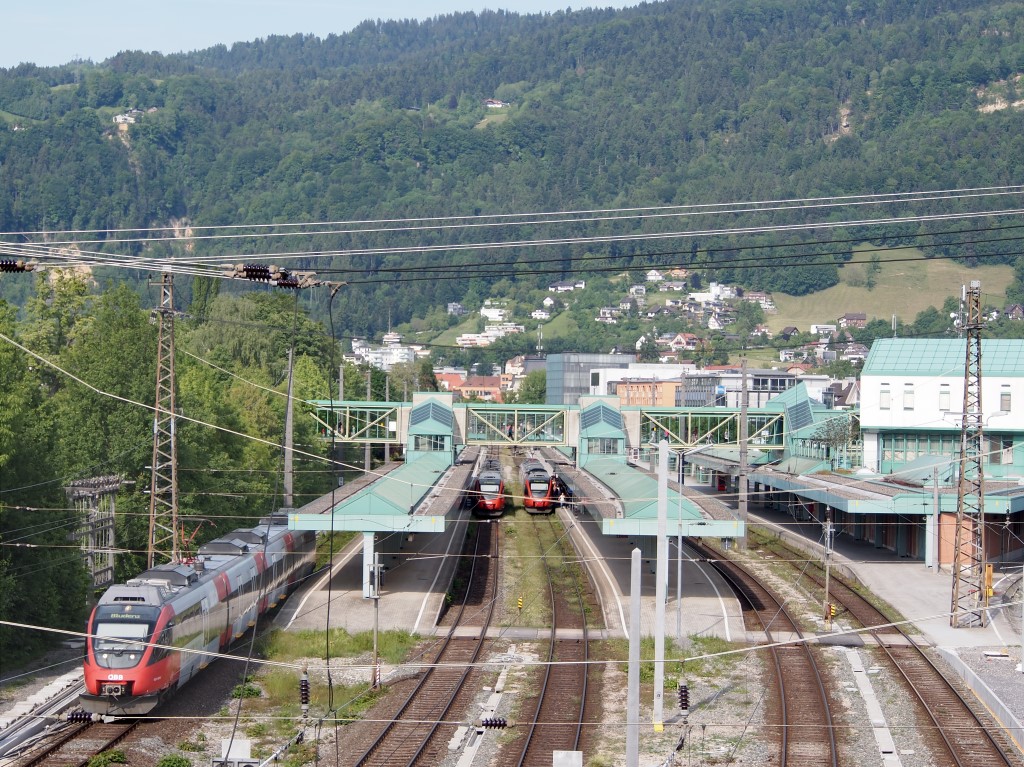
(108, 634)
(166, 639)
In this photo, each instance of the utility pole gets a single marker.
(289, 477)
(742, 502)
(827, 605)
(661, 588)
(970, 592)
(375, 578)
(633, 667)
(367, 449)
(163, 488)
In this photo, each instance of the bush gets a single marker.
(174, 760)
(246, 690)
(115, 756)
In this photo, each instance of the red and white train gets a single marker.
(490, 490)
(149, 636)
(540, 489)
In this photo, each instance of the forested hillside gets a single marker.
(667, 103)
(385, 129)
(78, 405)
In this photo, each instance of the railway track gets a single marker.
(416, 734)
(80, 743)
(801, 713)
(559, 711)
(963, 734)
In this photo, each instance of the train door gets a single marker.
(206, 631)
(254, 590)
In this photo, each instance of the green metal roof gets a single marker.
(942, 356)
(600, 420)
(637, 491)
(430, 418)
(399, 491)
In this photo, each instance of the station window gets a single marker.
(1004, 399)
(908, 397)
(428, 443)
(1000, 450)
(944, 398)
(603, 446)
(884, 399)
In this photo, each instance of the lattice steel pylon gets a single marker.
(94, 500)
(163, 489)
(970, 595)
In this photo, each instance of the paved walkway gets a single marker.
(921, 595)
(988, 659)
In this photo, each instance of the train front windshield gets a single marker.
(490, 489)
(120, 634)
(539, 487)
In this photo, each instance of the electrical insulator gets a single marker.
(10, 265)
(494, 723)
(79, 716)
(304, 693)
(286, 280)
(257, 272)
(684, 697)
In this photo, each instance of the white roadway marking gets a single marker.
(595, 557)
(345, 558)
(721, 601)
(430, 591)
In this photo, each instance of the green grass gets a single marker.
(903, 288)
(324, 547)
(447, 338)
(560, 325)
(492, 119)
(392, 646)
(11, 118)
(524, 570)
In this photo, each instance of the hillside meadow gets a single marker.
(903, 287)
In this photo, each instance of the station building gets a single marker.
(901, 492)
(886, 474)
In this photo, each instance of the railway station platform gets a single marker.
(420, 570)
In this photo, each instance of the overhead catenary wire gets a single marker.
(532, 218)
(185, 264)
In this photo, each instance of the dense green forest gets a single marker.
(80, 407)
(667, 103)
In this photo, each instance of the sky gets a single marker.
(53, 32)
